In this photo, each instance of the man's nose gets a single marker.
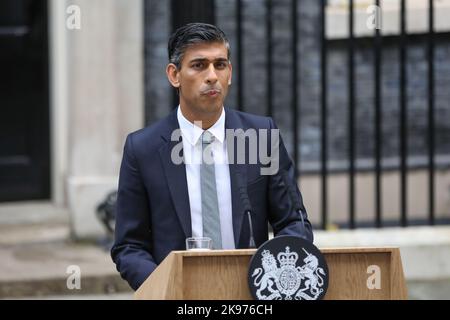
(211, 76)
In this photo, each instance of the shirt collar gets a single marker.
(192, 133)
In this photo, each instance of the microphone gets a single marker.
(294, 196)
(247, 209)
(251, 242)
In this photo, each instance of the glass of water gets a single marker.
(198, 243)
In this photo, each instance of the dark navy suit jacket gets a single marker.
(153, 212)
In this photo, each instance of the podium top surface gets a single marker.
(244, 252)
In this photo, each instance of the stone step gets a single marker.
(40, 260)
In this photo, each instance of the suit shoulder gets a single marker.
(250, 120)
(150, 136)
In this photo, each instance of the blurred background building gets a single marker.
(358, 88)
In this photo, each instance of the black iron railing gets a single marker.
(377, 41)
(352, 105)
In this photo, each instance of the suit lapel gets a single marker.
(176, 177)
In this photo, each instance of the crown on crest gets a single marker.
(265, 253)
(287, 258)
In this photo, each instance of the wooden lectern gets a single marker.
(223, 274)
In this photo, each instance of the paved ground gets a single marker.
(112, 296)
(39, 260)
(429, 290)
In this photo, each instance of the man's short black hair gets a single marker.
(190, 34)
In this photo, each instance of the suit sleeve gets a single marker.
(131, 251)
(285, 220)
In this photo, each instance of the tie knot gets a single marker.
(207, 137)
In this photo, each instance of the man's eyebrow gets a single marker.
(205, 60)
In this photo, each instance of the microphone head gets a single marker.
(245, 200)
(243, 192)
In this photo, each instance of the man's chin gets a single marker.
(212, 109)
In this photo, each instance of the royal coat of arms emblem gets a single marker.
(288, 268)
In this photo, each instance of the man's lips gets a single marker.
(211, 92)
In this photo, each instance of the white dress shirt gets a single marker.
(192, 152)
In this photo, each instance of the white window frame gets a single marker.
(337, 12)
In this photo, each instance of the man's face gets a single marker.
(203, 79)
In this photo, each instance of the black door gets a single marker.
(24, 101)
(186, 11)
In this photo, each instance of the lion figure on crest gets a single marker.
(269, 277)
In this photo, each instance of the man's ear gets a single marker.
(173, 75)
(231, 74)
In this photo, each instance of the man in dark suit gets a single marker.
(166, 195)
